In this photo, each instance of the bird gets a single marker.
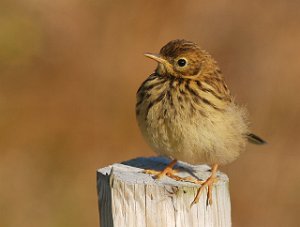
(186, 112)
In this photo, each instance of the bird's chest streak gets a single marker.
(168, 111)
(172, 99)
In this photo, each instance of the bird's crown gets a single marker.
(182, 58)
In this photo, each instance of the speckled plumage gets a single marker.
(187, 112)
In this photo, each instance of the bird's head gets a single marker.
(181, 58)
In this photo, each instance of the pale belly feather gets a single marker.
(218, 137)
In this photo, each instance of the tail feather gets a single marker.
(252, 138)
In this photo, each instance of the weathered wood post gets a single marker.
(128, 197)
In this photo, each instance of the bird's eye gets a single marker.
(181, 62)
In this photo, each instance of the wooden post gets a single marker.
(128, 197)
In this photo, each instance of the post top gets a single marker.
(131, 172)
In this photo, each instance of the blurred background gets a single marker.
(69, 71)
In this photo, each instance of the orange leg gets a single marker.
(168, 171)
(209, 183)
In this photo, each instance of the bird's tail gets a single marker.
(252, 138)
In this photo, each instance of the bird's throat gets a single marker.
(165, 70)
(161, 69)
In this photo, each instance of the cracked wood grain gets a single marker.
(128, 197)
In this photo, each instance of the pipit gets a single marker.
(185, 112)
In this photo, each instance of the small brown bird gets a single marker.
(186, 112)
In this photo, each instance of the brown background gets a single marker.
(69, 71)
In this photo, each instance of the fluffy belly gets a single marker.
(218, 137)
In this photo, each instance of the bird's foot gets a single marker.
(209, 183)
(172, 173)
(168, 171)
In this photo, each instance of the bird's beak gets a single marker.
(156, 57)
